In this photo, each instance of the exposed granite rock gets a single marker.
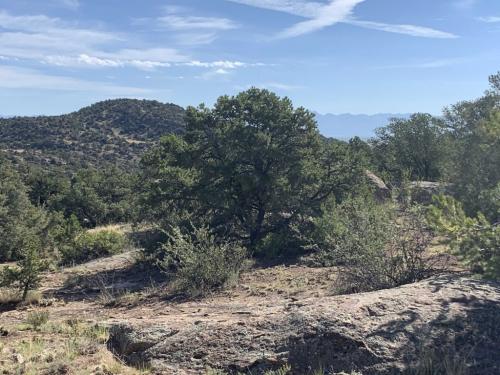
(383, 332)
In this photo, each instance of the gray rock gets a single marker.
(382, 192)
(423, 191)
(447, 318)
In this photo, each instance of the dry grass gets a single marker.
(439, 362)
(9, 296)
(13, 296)
(70, 347)
(118, 228)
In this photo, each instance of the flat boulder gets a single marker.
(447, 319)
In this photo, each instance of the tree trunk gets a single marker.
(25, 291)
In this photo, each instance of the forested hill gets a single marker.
(109, 132)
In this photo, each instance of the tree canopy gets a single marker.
(253, 166)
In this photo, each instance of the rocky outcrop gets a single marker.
(380, 189)
(423, 191)
(451, 318)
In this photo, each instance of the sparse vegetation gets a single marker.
(475, 240)
(37, 318)
(92, 245)
(26, 275)
(376, 246)
(201, 261)
(62, 347)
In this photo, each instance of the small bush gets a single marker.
(351, 230)
(36, 319)
(475, 240)
(93, 245)
(34, 297)
(200, 261)
(9, 296)
(376, 246)
(27, 273)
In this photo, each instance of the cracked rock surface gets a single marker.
(383, 332)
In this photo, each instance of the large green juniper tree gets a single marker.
(253, 166)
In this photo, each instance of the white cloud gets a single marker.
(490, 19)
(71, 4)
(218, 64)
(20, 78)
(278, 86)
(305, 9)
(191, 29)
(428, 64)
(337, 11)
(321, 15)
(218, 68)
(194, 39)
(162, 58)
(182, 22)
(418, 31)
(53, 41)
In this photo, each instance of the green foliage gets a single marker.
(476, 173)
(356, 227)
(96, 197)
(19, 219)
(37, 318)
(26, 275)
(475, 240)
(253, 165)
(93, 245)
(201, 261)
(375, 246)
(63, 233)
(113, 132)
(415, 145)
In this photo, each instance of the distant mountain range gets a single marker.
(346, 126)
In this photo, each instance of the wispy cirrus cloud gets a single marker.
(321, 15)
(412, 30)
(52, 41)
(428, 64)
(222, 64)
(183, 22)
(71, 4)
(335, 12)
(12, 77)
(489, 19)
(193, 29)
(56, 42)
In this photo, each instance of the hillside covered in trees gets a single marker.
(110, 132)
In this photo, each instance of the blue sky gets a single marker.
(337, 56)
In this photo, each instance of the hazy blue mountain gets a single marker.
(346, 126)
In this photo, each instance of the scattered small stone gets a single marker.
(18, 358)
